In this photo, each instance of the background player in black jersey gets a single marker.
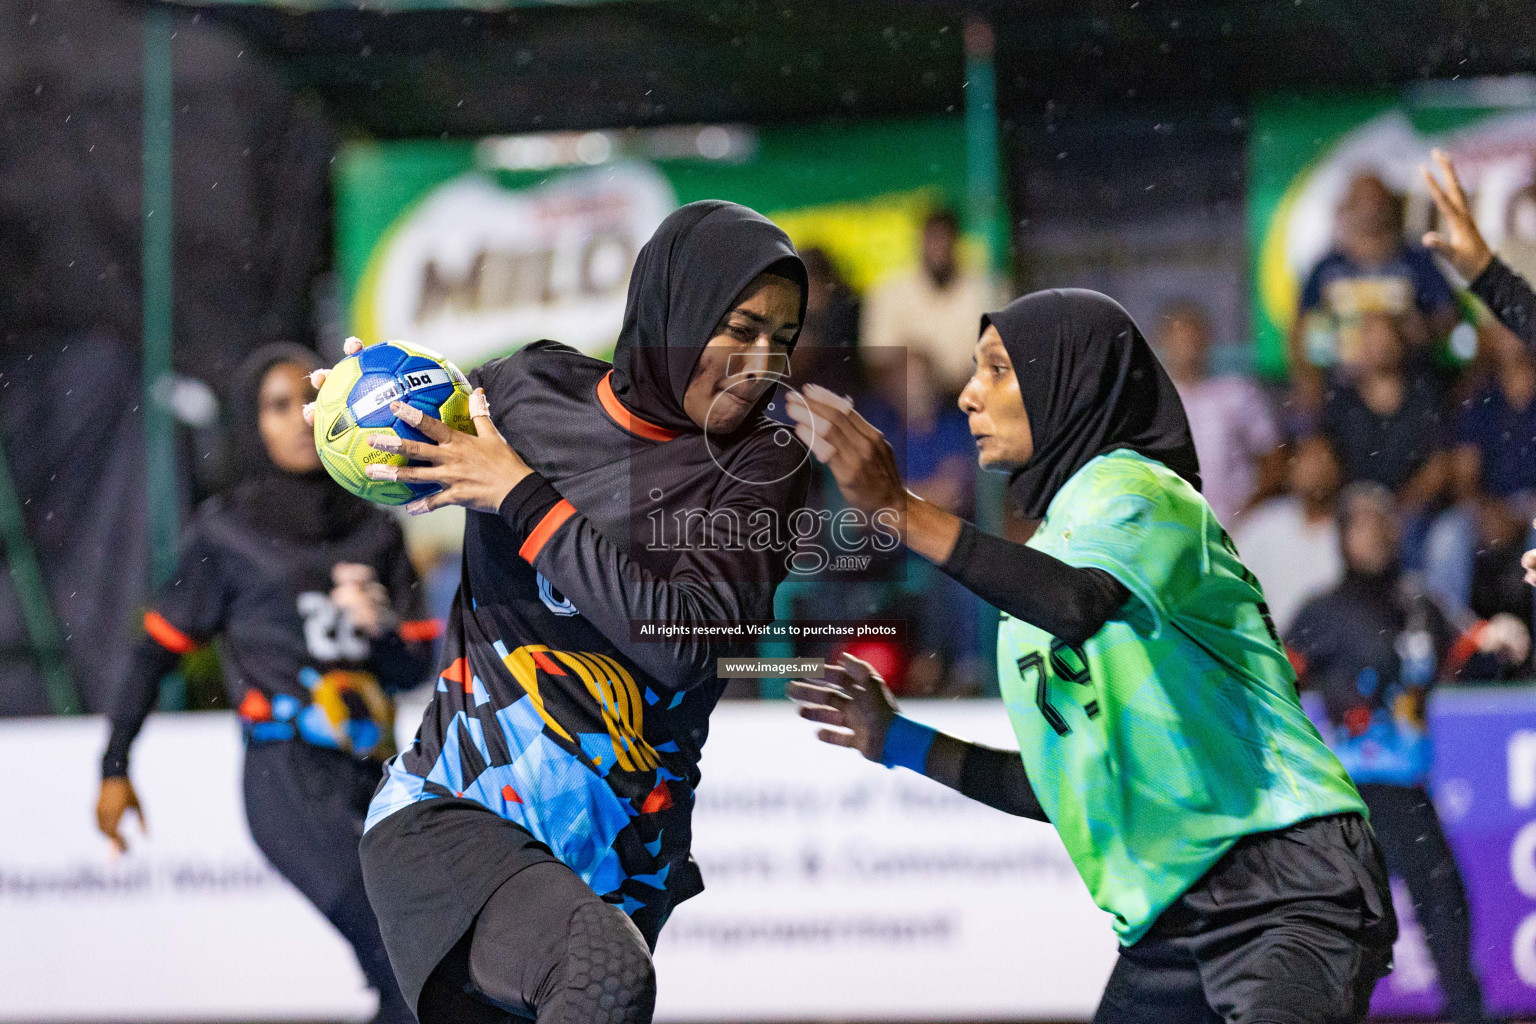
(308, 590)
(525, 851)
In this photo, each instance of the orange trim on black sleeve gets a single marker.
(167, 635)
(414, 631)
(541, 533)
(628, 420)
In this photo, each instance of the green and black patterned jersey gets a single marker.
(1176, 729)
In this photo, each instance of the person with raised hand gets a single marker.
(1157, 717)
(1506, 294)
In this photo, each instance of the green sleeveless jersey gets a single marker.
(1175, 730)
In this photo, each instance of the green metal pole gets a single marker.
(984, 216)
(36, 610)
(159, 428)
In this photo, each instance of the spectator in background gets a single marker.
(1386, 425)
(1235, 433)
(1291, 542)
(931, 437)
(1373, 647)
(935, 309)
(1475, 545)
(1371, 269)
(827, 352)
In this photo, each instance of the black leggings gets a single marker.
(1410, 835)
(544, 948)
(305, 807)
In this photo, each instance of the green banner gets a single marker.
(1304, 150)
(475, 248)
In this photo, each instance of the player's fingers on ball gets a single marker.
(433, 427)
(352, 346)
(436, 500)
(1528, 560)
(402, 474)
(480, 414)
(421, 451)
(309, 413)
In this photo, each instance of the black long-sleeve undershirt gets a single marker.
(1509, 297)
(1069, 603)
(997, 779)
(133, 700)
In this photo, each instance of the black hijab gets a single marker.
(684, 281)
(305, 508)
(1090, 385)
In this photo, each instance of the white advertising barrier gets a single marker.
(837, 889)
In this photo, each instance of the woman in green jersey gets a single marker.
(1157, 718)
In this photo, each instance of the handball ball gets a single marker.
(354, 405)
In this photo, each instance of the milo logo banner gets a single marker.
(1304, 151)
(477, 248)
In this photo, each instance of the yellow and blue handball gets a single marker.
(354, 405)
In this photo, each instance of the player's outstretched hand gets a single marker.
(1460, 242)
(362, 598)
(858, 455)
(852, 699)
(350, 347)
(474, 470)
(116, 799)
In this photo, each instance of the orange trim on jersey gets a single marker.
(167, 635)
(255, 707)
(628, 420)
(421, 630)
(540, 534)
(1465, 646)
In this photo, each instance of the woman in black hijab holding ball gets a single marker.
(525, 851)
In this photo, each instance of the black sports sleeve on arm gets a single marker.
(1069, 603)
(1509, 297)
(188, 609)
(612, 590)
(132, 701)
(997, 779)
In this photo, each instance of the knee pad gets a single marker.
(609, 978)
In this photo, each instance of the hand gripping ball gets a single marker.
(354, 405)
